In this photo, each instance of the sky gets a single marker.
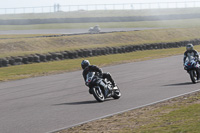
(36, 3)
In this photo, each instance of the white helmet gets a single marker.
(189, 47)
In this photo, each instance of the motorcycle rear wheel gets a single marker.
(98, 94)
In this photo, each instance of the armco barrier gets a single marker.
(83, 53)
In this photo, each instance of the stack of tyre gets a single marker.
(53, 56)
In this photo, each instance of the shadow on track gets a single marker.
(83, 102)
(180, 84)
(77, 103)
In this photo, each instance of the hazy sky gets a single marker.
(34, 3)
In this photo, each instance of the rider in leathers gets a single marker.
(92, 68)
(189, 53)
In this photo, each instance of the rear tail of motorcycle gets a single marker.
(116, 92)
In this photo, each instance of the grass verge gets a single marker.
(32, 70)
(178, 115)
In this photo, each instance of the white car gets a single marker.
(94, 30)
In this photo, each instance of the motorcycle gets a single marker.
(101, 88)
(192, 67)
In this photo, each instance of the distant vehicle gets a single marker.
(94, 30)
(101, 88)
(192, 67)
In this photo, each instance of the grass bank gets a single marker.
(40, 69)
(19, 46)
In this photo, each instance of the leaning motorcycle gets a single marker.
(192, 68)
(101, 88)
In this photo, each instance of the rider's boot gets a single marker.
(115, 86)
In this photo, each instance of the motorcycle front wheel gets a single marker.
(98, 94)
(193, 76)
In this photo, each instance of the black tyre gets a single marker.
(98, 94)
(117, 94)
(194, 76)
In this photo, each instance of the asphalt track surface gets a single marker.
(67, 31)
(49, 103)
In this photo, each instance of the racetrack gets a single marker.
(67, 31)
(49, 103)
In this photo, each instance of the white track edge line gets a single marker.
(123, 111)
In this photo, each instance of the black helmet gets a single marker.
(85, 63)
(189, 47)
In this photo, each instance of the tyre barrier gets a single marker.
(83, 53)
(0, 62)
(42, 58)
(18, 60)
(36, 59)
(30, 58)
(54, 56)
(71, 55)
(25, 60)
(11, 61)
(48, 57)
(65, 55)
(4, 62)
